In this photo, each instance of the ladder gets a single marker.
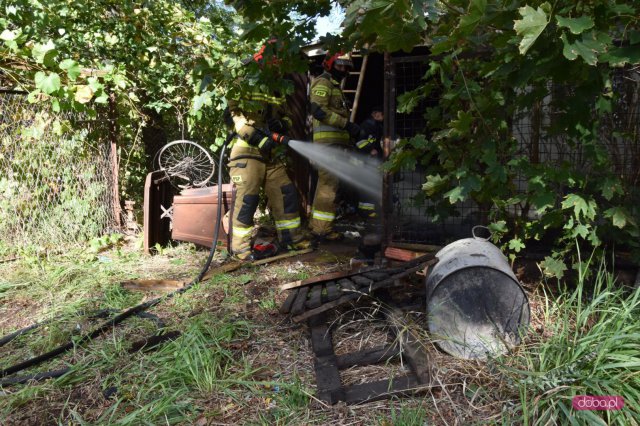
(357, 91)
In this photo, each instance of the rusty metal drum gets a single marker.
(475, 305)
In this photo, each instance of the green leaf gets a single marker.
(575, 25)
(467, 185)
(71, 67)
(44, 53)
(201, 100)
(543, 200)
(589, 48)
(516, 245)
(48, 83)
(580, 230)
(580, 206)
(553, 267)
(470, 20)
(619, 216)
(622, 9)
(610, 187)
(568, 50)
(455, 195)
(499, 227)
(530, 27)
(434, 184)
(620, 56)
(462, 124)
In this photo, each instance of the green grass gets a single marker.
(593, 349)
(590, 343)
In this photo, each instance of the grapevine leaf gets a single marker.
(575, 25)
(533, 22)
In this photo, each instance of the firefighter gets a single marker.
(372, 129)
(331, 126)
(257, 161)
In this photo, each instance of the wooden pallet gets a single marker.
(321, 296)
(312, 301)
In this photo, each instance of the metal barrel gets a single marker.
(475, 304)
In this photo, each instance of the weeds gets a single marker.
(592, 349)
(587, 344)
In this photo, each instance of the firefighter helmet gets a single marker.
(337, 59)
(266, 56)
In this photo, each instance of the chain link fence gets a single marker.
(56, 181)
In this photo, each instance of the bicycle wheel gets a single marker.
(187, 161)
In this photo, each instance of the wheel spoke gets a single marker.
(187, 161)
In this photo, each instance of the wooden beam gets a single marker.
(412, 349)
(326, 277)
(382, 389)
(367, 357)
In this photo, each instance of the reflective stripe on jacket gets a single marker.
(326, 93)
(249, 114)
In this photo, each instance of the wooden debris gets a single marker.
(332, 291)
(412, 350)
(299, 302)
(286, 306)
(315, 297)
(403, 255)
(322, 278)
(373, 287)
(382, 389)
(367, 357)
(153, 285)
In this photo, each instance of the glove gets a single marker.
(353, 129)
(258, 136)
(317, 112)
(273, 139)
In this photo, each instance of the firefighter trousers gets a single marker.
(248, 176)
(323, 211)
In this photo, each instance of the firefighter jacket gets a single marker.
(372, 129)
(329, 128)
(254, 112)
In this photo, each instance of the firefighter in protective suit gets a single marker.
(331, 126)
(256, 161)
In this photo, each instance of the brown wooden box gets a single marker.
(194, 215)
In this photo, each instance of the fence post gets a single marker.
(113, 138)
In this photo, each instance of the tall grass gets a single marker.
(593, 348)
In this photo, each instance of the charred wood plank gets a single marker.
(332, 291)
(361, 281)
(349, 297)
(367, 357)
(347, 286)
(382, 389)
(376, 276)
(299, 302)
(412, 350)
(315, 296)
(325, 364)
(286, 306)
(325, 277)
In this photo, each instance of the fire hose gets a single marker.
(137, 310)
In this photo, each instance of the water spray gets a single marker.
(362, 171)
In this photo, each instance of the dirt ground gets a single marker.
(279, 351)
